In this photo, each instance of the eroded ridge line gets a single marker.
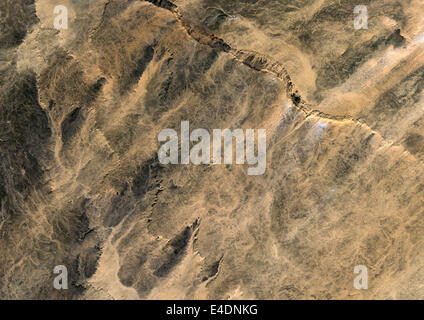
(254, 60)
(262, 63)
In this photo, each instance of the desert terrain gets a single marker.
(80, 181)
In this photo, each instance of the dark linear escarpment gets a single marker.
(256, 61)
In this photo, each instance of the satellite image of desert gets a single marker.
(212, 150)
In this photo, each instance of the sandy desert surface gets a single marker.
(81, 184)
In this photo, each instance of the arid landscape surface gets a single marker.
(80, 181)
